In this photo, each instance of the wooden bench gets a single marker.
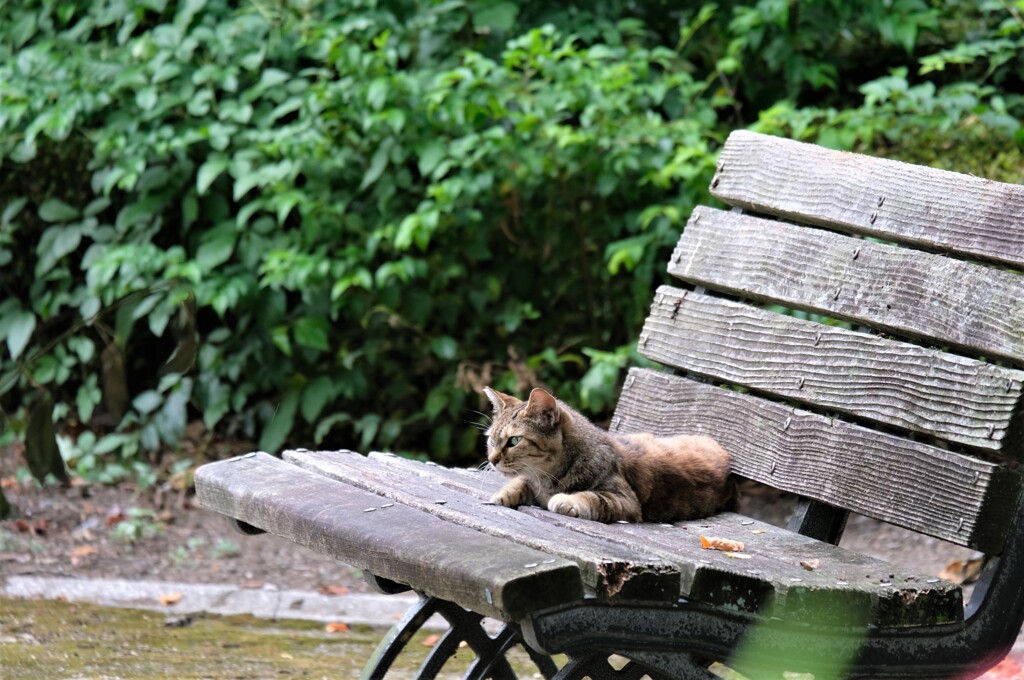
(894, 392)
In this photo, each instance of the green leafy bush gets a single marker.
(329, 223)
(351, 221)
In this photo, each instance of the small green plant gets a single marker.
(225, 548)
(138, 524)
(184, 554)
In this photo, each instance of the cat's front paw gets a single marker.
(573, 505)
(512, 495)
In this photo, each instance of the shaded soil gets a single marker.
(157, 534)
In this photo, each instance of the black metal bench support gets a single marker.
(465, 626)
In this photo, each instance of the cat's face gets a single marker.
(525, 437)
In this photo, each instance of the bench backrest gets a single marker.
(895, 389)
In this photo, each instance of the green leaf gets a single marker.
(312, 331)
(11, 211)
(430, 156)
(56, 242)
(316, 396)
(367, 426)
(41, 451)
(377, 94)
(217, 246)
(377, 165)
(56, 210)
(444, 347)
(148, 401)
(170, 421)
(17, 327)
(497, 16)
(280, 425)
(146, 98)
(210, 170)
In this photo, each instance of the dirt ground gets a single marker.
(121, 532)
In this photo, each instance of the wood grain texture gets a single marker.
(483, 573)
(608, 571)
(896, 383)
(846, 588)
(859, 194)
(924, 488)
(905, 292)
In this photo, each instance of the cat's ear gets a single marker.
(499, 401)
(544, 408)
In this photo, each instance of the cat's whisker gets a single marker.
(487, 418)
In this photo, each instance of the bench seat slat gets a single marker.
(897, 201)
(936, 492)
(399, 543)
(771, 581)
(902, 291)
(608, 571)
(895, 383)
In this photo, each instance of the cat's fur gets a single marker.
(559, 460)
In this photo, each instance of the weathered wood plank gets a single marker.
(859, 194)
(769, 581)
(608, 571)
(896, 383)
(845, 588)
(921, 487)
(486, 574)
(902, 291)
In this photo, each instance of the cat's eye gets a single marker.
(512, 441)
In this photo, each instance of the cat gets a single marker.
(559, 460)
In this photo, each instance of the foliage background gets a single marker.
(329, 223)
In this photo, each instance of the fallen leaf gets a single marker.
(737, 556)
(715, 543)
(167, 599)
(962, 571)
(336, 627)
(334, 590)
(84, 551)
(430, 640)
(759, 531)
(286, 655)
(8, 482)
(113, 519)
(22, 526)
(810, 565)
(251, 585)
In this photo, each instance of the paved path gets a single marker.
(265, 602)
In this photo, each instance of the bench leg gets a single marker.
(818, 520)
(465, 627)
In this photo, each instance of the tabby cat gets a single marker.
(559, 460)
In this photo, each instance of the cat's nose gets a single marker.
(493, 457)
